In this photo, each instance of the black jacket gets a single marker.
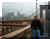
(36, 24)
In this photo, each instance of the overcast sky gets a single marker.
(30, 3)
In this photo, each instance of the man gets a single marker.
(35, 25)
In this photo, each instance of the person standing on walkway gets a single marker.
(35, 26)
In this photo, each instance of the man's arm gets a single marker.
(32, 25)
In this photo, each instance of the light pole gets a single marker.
(36, 8)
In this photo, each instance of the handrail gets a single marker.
(14, 25)
(12, 34)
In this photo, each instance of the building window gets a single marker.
(44, 13)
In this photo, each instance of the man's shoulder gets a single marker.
(38, 20)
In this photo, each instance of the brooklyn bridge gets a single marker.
(19, 27)
(18, 30)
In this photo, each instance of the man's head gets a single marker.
(35, 17)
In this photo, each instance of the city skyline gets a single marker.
(22, 1)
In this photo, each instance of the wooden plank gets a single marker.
(0, 24)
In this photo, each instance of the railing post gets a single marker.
(24, 35)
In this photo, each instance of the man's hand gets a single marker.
(0, 37)
(32, 27)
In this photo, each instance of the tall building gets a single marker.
(48, 18)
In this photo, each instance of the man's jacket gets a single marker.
(36, 24)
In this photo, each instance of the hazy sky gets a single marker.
(32, 3)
